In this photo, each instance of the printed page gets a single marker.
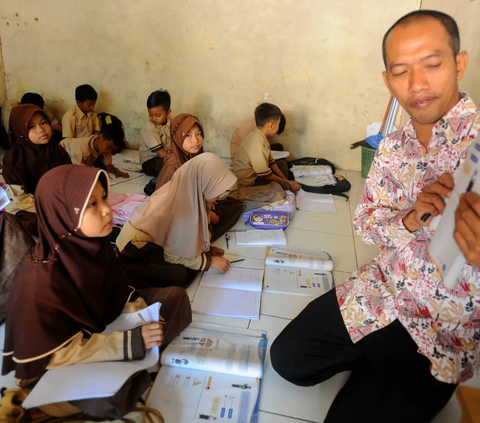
(300, 260)
(320, 203)
(235, 278)
(311, 170)
(261, 237)
(217, 352)
(114, 180)
(184, 396)
(297, 281)
(317, 180)
(277, 155)
(94, 380)
(450, 260)
(235, 303)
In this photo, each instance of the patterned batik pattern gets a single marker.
(402, 282)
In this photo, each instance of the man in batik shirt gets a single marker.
(407, 338)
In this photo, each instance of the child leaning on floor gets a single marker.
(73, 286)
(82, 120)
(96, 150)
(254, 164)
(167, 239)
(155, 136)
(33, 153)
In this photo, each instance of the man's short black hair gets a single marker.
(159, 98)
(33, 98)
(281, 127)
(446, 20)
(267, 112)
(113, 133)
(85, 92)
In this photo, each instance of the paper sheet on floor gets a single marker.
(261, 237)
(94, 380)
(132, 175)
(320, 203)
(277, 155)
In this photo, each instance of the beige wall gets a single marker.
(319, 60)
(3, 87)
(467, 15)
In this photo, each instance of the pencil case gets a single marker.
(263, 219)
(289, 205)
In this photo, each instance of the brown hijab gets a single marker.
(25, 163)
(176, 155)
(70, 283)
(176, 216)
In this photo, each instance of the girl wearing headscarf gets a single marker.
(167, 238)
(73, 286)
(187, 142)
(31, 156)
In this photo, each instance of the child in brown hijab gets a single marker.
(73, 286)
(31, 156)
(187, 142)
(171, 230)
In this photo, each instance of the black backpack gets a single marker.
(340, 188)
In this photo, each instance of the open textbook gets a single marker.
(443, 248)
(236, 293)
(95, 380)
(298, 273)
(210, 373)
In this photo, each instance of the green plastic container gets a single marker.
(367, 158)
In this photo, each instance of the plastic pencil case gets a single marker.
(263, 219)
(290, 207)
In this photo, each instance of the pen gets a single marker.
(425, 217)
(236, 261)
(226, 240)
(142, 319)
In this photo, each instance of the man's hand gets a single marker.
(429, 201)
(467, 227)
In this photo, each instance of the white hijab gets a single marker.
(176, 216)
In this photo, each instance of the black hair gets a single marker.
(446, 20)
(267, 112)
(113, 133)
(281, 127)
(85, 92)
(103, 181)
(33, 98)
(159, 98)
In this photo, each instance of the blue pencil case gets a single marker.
(268, 219)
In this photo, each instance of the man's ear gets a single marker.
(462, 63)
(385, 80)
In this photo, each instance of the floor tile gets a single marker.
(264, 417)
(338, 223)
(340, 247)
(355, 178)
(224, 321)
(281, 397)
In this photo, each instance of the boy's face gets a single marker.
(193, 141)
(98, 217)
(158, 115)
(39, 130)
(273, 126)
(104, 146)
(86, 106)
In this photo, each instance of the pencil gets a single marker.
(236, 261)
(142, 319)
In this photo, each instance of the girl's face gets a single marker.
(193, 141)
(39, 130)
(98, 217)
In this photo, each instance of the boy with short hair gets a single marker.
(96, 150)
(82, 121)
(254, 164)
(155, 136)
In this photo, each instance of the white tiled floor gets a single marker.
(282, 402)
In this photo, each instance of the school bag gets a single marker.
(108, 119)
(312, 161)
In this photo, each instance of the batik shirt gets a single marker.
(402, 282)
